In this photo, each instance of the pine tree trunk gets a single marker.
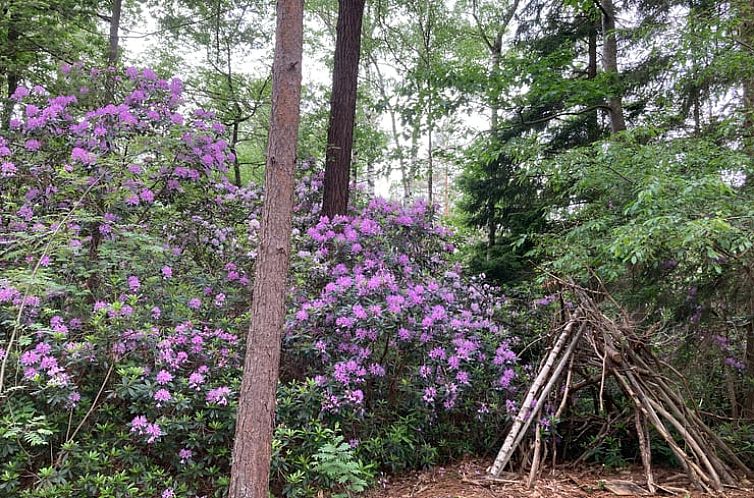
(342, 107)
(256, 405)
(610, 65)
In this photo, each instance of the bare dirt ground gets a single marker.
(467, 479)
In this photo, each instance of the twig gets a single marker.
(45, 252)
(91, 408)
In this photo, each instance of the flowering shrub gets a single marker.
(126, 259)
(389, 310)
(123, 289)
(395, 336)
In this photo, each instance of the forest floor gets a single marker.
(466, 479)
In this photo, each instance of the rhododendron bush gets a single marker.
(124, 287)
(386, 310)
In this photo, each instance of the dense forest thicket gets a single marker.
(472, 181)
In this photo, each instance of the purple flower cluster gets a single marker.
(149, 273)
(142, 427)
(728, 351)
(388, 295)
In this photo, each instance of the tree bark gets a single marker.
(536, 394)
(342, 107)
(234, 150)
(610, 66)
(430, 156)
(491, 228)
(11, 73)
(496, 52)
(593, 125)
(256, 406)
(113, 46)
(748, 402)
(747, 35)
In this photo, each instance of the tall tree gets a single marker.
(227, 79)
(256, 407)
(342, 107)
(37, 36)
(610, 65)
(112, 53)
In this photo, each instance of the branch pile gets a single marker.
(654, 387)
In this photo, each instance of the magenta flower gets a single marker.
(82, 155)
(195, 380)
(8, 169)
(29, 358)
(162, 395)
(163, 377)
(20, 93)
(220, 300)
(74, 398)
(429, 395)
(185, 454)
(218, 396)
(133, 283)
(139, 423)
(153, 431)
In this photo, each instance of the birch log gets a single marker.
(523, 419)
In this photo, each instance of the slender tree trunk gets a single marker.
(496, 54)
(256, 406)
(11, 73)
(491, 228)
(446, 188)
(748, 408)
(342, 107)
(430, 157)
(748, 402)
(414, 166)
(593, 123)
(233, 149)
(747, 36)
(610, 66)
(496, 50)
(112, 60)
(113, 47)
(394, 131)
(236, 112)
(370, 177)
(427, 28)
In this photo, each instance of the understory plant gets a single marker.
(125, 277)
